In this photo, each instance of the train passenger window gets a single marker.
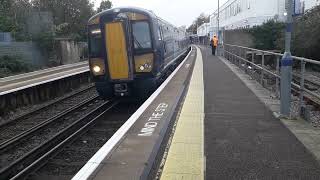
(160, 34)
(141, 35)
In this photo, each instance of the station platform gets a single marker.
(241, 138)
(23, 81)
(202, 123)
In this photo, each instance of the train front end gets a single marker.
(121, 52)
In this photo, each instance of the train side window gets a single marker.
(160, 33)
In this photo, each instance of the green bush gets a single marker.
(45, 41)
(10, 65)
(306, 34)
(268, 35)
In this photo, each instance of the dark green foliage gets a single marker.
(306, 35)
(6, 21)
(13, 15)
(268, 35)
(70, 16)
(7, 24)
(104, 5)
(10, 65)
(45, 41)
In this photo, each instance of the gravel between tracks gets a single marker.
(26, 109)
(43, 135)
(314, 114)
(16, 127)
(66, 163)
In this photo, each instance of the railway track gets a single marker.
(27, 120)
(315, 85)
(309, 85)
(309, 99)
(25, 147)
(70, 159)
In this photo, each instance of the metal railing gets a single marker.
(267, 63)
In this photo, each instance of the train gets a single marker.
(131, 51)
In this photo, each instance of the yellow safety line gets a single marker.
(185, 159)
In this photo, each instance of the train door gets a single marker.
(117, 50)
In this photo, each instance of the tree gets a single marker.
(13, 15)
(268, 35)
(73, 14)
(198, 22)
(306, 34)
(104, 5)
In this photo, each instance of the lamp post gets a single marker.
(218, 19)
(286, 65)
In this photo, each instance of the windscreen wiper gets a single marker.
(137, 42)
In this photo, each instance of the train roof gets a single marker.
(125, 9)
(131, 9)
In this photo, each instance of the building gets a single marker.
(203, 30)
(308, 4)
(238, 14)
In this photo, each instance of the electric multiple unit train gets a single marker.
(131, 50)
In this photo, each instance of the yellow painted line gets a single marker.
(185, 159)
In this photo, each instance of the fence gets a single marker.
(265, 66)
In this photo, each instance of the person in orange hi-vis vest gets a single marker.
(214, 44)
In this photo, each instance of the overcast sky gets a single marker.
(177, 12)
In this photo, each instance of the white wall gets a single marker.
(203, 30)
(310, 3)
(247, 13)
(235, 14)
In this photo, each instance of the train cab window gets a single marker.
(95, 43)
(141, 35)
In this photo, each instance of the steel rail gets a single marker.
(22, 165)
(107, 148)
(18, 138)
(45, 157)
(37, 110)
(307, 80)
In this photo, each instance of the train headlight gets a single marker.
(96, 69)
(144, 63)
(97, 66)
(145, 67)
(141, 68)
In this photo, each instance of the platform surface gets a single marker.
(186, 154)
(136, 153)
(242, 138)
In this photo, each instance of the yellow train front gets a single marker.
(131, 51)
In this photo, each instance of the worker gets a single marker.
(214, 44)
